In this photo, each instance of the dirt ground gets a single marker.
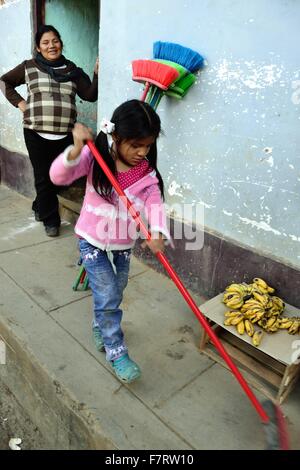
(15, 423)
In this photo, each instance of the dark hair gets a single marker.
(133, 119)
(46, 28)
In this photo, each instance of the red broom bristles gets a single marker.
(160, 75)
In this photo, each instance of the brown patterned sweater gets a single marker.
(51, 105)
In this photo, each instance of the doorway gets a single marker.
(78, 25)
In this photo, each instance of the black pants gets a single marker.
(42, 152)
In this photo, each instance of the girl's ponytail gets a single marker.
(101, 183)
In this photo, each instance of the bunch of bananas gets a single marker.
(243, 324)
(292, 324)
(235, 295)
(254, 303)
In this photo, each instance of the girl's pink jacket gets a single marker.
(109, 226)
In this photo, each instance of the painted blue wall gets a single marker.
(232, 144)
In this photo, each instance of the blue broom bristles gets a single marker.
(184, 56)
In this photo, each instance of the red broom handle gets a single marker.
(146, 89)
(164, 261)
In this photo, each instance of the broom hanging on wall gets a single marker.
(183, 59)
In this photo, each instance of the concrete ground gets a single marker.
(184, 400)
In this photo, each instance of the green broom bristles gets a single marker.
(182, 71)
(153, 96)
(182, 86)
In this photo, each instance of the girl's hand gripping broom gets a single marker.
(274, 423)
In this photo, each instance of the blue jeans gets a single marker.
(107, 280)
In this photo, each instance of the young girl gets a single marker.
(105, 228)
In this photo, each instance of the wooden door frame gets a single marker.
(38, 14)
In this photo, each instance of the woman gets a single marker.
(49, 113)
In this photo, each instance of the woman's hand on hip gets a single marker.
(81, 133)
(22, 106)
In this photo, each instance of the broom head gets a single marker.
(184, 84)
(184, 56)
(180, 69)
(181, 87)
(276, 429)
(173, 94)
(160, 75)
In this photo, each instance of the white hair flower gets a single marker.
(107, 126)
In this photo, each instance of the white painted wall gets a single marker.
(232, 144)
(15, 46)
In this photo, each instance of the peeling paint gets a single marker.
(207, 206)
(259, 225)
(270, 161)
(172, 190)
(294, 238)
(227, 213)
(251, 74)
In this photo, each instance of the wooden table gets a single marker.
(273, 362)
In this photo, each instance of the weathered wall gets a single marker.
(232, 144)
(16, 44)
(16, 41)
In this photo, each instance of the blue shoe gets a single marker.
(126, 369)
(98, 340)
